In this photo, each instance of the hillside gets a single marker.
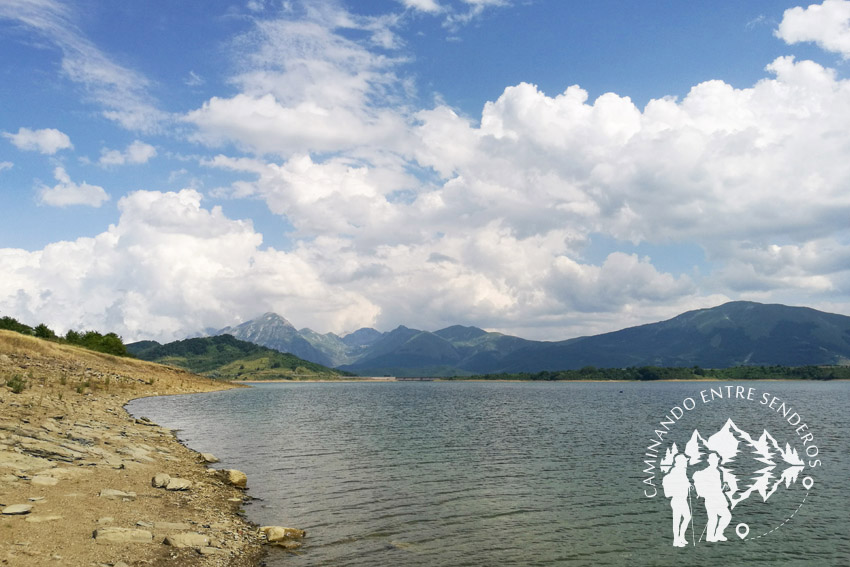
(66, 441)
(228, 358)
(734, 334)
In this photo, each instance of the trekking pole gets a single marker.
(691, 510)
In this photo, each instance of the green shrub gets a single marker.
(12, 324)
(16, 383)
(44, 332)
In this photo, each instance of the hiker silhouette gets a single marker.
(710, 486)
(676, 487)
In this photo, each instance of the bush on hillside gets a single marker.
(109, 343)
(11, 324)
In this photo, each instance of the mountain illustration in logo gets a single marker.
(748, 465)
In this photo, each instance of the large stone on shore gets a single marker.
(50, 451)
(279, 533)
(112, 494)
(178, 484)
(209, 458)
(137, 453)
(40, 519)
(187, 539)
(166, 526)
(122, 535)
(160, 480)
(42, 480)
(234, 478)
(17, 509)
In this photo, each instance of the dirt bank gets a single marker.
(79, 466)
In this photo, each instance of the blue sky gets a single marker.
(542, 168)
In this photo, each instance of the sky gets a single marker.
(541, 168)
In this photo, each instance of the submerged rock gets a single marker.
(287, 544)
(278, 533)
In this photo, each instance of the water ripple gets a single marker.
(480, 474)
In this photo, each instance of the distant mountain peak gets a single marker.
(460, 333)
(273, 318)
(362, 337)
(737, 333)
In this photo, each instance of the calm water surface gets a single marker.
(479, 474)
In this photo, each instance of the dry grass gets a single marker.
(77, 370)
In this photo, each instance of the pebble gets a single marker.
(111, 494)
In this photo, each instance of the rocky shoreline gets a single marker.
(83, 483)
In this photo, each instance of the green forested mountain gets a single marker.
(228, 358)
(739, 333)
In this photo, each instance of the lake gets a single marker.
(519, 473)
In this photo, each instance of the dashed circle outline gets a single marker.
(788, 519)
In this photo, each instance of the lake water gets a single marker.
(480, 473)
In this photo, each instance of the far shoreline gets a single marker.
(450, 379)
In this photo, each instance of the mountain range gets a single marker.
(733, 334)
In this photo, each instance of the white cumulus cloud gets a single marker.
(496, 213)
(136, 153)
(66, 192)
(826, 24)
(169, 268)
(400, 214)
(46, 141)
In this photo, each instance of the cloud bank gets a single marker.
(403, 213)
